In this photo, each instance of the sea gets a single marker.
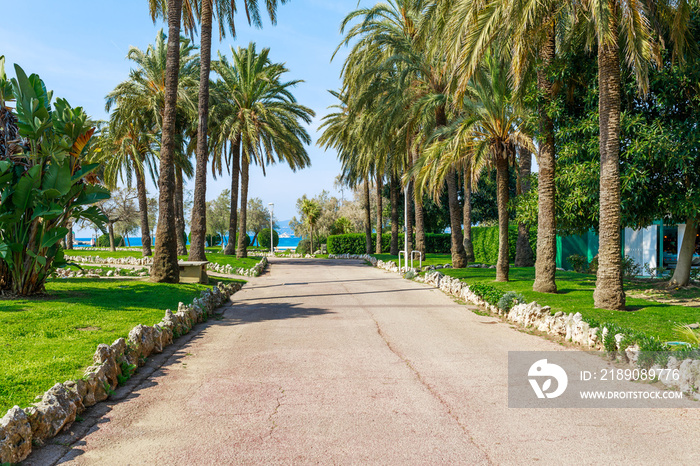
(285, 243)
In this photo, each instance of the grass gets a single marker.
(576, 295)
(223, 259)
(51, 338)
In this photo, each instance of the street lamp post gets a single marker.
(272, 235)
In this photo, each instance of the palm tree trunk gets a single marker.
(394, 197)
(524, 256)
(110, 232)
(459, 257)
(419, 217)
(411, 213)
(143, 213)
(165, 267)
(311, 238)
(180, 213)
(378, 247)
(502, 176)
(546, 264)
(609, 293)
(70, 240)
(681, 276)
(233, 218)
(467, 214)
(198, 226)
(368, 219)
(242, 251)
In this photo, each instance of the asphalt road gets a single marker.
(334, 362)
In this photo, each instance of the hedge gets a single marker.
(264, 238)
(484, 240)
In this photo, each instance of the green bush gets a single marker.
(485, 242)
(304, 247)
(578, 262)
(103, 241)
(509, 300)
(264, 238)
(488, 293)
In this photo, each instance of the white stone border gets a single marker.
(60, 405)
(255, 271)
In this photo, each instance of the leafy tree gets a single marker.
(45, 179)
(311, 212)
(217, 215)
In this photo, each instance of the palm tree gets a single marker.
(266, 118)
(627, 26)
(127, 153)
(524, 256)
(225, 11)
(138, 106)
(165, 267)
(311, 212)
(488, 127)
(529, 30)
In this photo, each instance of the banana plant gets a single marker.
(45, 181)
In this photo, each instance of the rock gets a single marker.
(694, 326)
(119, 349)
(55, 412)
(15, 436)
(141, 341)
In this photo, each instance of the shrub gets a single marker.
(630, 268)
(510, 299)
(485, 242)
(488, 293)
(578, 262)
(304, 247)
(264, 238)
(103, 241)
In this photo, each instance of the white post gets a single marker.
(272, 235)
(405, 224)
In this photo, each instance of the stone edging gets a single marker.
(148, 261)
(60, 405)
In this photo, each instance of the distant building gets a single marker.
(657, 245)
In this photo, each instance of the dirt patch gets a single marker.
(658, 291)
(88, 329)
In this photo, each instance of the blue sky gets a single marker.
(79, 48)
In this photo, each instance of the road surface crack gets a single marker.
(430, 389)
(271, 417)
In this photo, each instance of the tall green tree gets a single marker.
(225, 12)
(165, 267)
(267, 121)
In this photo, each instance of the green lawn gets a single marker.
(223, 259)
(576, 295)
(52, 338)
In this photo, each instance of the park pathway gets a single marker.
(334, 362)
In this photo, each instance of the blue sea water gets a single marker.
(285, 243)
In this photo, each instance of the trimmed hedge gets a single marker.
(103, 241)
(485, 242)
(264, 238)
(484, 239)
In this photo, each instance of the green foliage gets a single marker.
(103, 241)
(510, 299)
(127, 371)
(264, 238)
(304, 247)
(45, 180)
(488, 293)
(578, 262)
(485, 242)
(630, 268)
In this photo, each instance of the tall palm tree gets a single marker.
(622, 26)
(128, 154)
(490, 126)
(311, 212)
(225, 12)
(165, 267)
(267, 120)
(138, 105)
